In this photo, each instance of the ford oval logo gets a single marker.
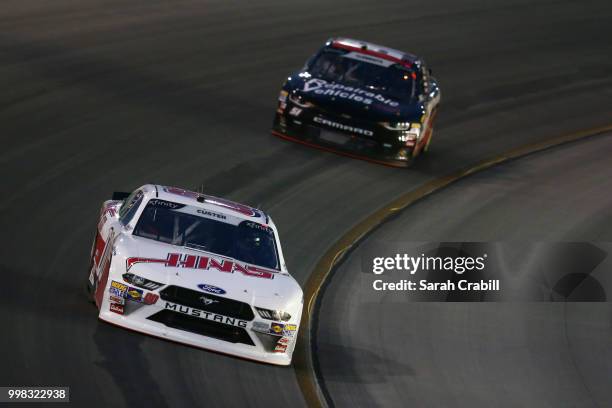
(211, 289)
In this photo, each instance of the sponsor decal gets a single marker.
(116, 299)
(258, 226)
(208, 301)
(165, 204)
(321, 87)
(276, 328)
(289, 330)
(211, 289)
(282, 97)
(116, 292)
(205, 315)
(117, 308)
(177, 260)
(280, 348)
(340, 126)
(134, 294)
(150, 298)
(119, 286)
(295, 111)
(212, 214)
(284, 340)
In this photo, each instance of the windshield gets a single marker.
(201, 229)
(373, 73)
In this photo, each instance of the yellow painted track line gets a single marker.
(303, 362)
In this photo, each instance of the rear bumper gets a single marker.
(354, 146)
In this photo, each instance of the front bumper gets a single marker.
(165, 320)
(370, 148)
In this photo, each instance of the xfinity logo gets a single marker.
(164, 204)
(208, 301)
(340, 126)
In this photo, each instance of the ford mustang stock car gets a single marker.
(362, 100)
(195, 269)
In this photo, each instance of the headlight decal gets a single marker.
(297, 100)
(277, 315)
(141, 282)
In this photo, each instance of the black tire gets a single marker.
(426, 147)
(90, 289)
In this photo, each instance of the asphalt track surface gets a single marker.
(389, 348)
(106, 95)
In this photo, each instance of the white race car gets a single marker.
(195, 269)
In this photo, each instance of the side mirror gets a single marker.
(120, 195)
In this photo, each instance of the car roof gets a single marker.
(208, 202)
(374, 49)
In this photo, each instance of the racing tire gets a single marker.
(426, 147)
(90, 289)
(89, 293)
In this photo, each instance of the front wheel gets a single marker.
(90, 294)
(90, 288)
(426, 147)
(90, 284)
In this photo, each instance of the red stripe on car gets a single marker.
(373, 53)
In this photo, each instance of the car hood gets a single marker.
(173, 265)
(343, 98)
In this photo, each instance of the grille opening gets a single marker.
(203, 327)
(207, 302)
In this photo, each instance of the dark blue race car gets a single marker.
(362, 100)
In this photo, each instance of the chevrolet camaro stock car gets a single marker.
(362, 100)
(195, 269)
